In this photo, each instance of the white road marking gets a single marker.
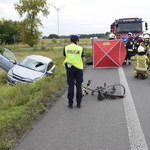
(135, 133)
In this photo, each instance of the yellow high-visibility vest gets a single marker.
(73, 55)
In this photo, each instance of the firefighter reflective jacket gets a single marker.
(142, 62)
(73, 55)
(129, 44)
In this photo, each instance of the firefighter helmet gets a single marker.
(130, 33)
(141, 49)
(111, 36)
(140, 36)
(146, 36)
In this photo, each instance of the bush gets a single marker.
(54, 41)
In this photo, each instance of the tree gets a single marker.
(55, 36)
(9, 32)
(31, 9)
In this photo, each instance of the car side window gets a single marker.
(6, 53)
(50, 65)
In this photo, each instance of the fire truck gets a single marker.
(123, 26)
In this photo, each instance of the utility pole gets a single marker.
(57, 9)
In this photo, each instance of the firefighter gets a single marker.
(74, 57)
(148, 54)
(129, 48)
(112, 36)
(141, 65)
(146, 42)
(137, 42)
(118, 36)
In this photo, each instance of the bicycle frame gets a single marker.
(104, 92)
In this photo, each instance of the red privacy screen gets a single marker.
(110, 53)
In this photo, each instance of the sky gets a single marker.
(82, 16)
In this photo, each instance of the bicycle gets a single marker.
(115, 91)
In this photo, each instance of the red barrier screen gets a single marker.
(110, 53)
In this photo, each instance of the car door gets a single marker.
(7, 60)
(50, 68)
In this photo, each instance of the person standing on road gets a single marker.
(74, 58)
(129, 48)
(146, 42)
(137, 42)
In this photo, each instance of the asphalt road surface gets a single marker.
(121, 124)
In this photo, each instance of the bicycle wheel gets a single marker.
(115, 91)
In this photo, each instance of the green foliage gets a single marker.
(30, 9)
(66, 40)
(54, 41)
(9, 32)
(3, 79)
(30, 33)
(87, 52)
(51, 36)
(98, 35)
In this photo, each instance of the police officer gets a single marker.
(74, 57)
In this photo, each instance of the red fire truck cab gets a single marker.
(123, 26)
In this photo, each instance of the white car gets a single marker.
(29, 69)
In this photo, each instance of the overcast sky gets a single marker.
(83, 16)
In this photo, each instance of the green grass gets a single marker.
(22, 104)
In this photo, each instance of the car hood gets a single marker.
(26, 73)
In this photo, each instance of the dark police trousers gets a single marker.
(74, 78)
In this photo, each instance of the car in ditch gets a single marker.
(29, 69)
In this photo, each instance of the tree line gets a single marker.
(94, 35)
(10, 32)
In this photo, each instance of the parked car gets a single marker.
(29, 69)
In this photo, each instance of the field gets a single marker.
(23, 104)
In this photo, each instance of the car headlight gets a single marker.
(10, 73)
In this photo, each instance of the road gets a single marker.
(99, 125)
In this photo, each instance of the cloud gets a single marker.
(8, 11)
(83, 16)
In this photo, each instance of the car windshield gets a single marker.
(33, 64)
(129, 27)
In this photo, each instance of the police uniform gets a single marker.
(74, 66)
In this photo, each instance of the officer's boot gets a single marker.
(129, 62)
(125, 62)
